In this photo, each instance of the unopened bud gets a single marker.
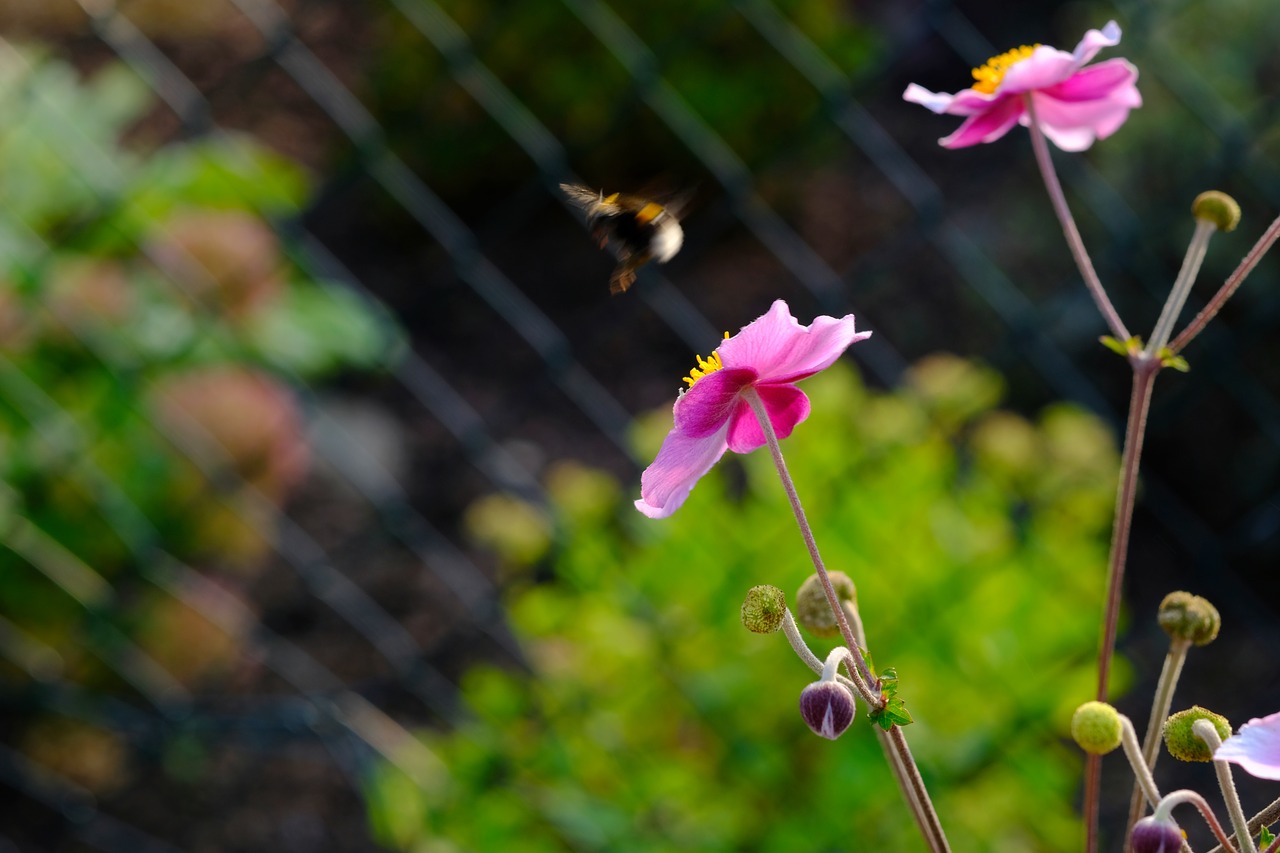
(763, 609)
(1096, 727)
(1189, 617)
(1218, 208)
(1153, 835)
(828, 707)
(812, 609)
(1183, 743)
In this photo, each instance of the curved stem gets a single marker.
(912, 783)
(1228, 288)
(1244, 839)
(792, 632)
(1147, 782)
(1069, 230)
(1160, 705)
(1185, 796)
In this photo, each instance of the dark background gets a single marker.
(833, 196)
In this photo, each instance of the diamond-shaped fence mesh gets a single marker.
(290, 285)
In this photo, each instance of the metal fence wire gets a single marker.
(497, 338)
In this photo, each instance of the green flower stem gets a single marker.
(1181, 286)
(1207, 733)
(1228, 288)
(1185, 796)
(913, 785)
(1266, 817)
(1059, 201)
(1159, 711)
(1145, 781)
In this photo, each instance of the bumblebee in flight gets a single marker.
(640, 230)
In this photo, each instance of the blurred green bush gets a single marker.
(653, 721)
(151, 327)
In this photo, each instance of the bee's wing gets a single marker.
(584, 197)
(580, 195)
(678, 204)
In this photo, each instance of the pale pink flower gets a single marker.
(1256, 747)
(770, 355)
(1074, 104)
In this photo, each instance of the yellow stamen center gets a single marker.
(705, 365)
(990, 75)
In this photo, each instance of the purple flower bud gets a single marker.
(827, 706)
(1152, 835)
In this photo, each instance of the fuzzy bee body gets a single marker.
(639, 229)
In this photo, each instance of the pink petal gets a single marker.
(780, 350)
(1096, 40)
(1046, 66)
(680, 463)
(1074, 125)
(987, 127)
(1098, 81)
(1256, 747)
(786, 405)
(966, 102)
(706, 407)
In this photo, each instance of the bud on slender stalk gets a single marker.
(828, 708)
(1189, 617)
(1218, 208)
(763, 609)
(1153, 835)
(1096, 727)
(812, 610)
(1183, 743)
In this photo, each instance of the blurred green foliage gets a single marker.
(151, 324)
(653, 721)
(566, 77)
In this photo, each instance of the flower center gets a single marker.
(710, 364)
(988, 77)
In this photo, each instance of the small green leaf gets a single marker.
(1265, 837)
(1125, 348)
(1177, 362)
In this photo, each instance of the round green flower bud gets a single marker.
(1183, 743)
(1189, 617)
(763, 609)
(812, 609)
(1096, 727)
(1218, 208)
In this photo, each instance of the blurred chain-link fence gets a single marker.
(289, 286)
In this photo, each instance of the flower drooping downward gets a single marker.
(1074, 104)
(769, 355)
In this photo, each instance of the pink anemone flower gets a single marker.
(769, 355)
(1256, 747)
(1074, 104)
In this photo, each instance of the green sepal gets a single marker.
(894, 712)
(1133, 346)
(1177, 362)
